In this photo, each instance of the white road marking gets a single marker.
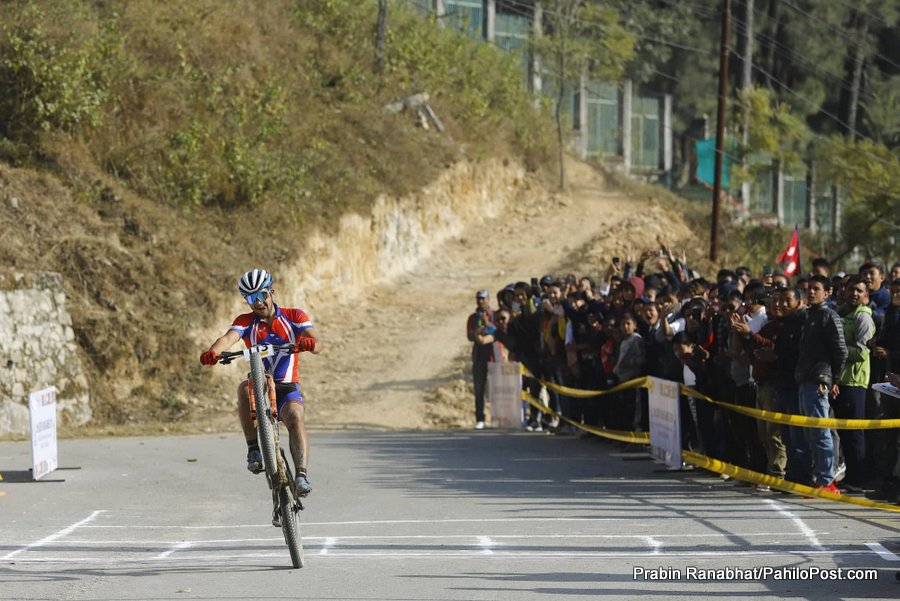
(329, 543)
(473, 554)
(486, 543)
(531, 520)
(654, 544)
(650, 539)
(801, 525)
(178, 547)
(49, 539)
(882, 552)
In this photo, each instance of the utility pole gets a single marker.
(380, 35)
(746, 84)
(720, 131)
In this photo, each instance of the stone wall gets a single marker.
(37, 350)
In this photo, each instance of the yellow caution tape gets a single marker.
(714, 465)
(798, 420)
(621, 435)
(768, 416)
(720, 467)
(643, 382)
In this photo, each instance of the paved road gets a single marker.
(419, 515)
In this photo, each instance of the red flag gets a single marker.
(791, 255)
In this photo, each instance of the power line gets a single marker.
(837, 29)
(678, 45)
(758, 68)
(823, 111)
(797, 60)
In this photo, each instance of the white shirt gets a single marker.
(757, 320)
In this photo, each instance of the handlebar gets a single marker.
(263, 350)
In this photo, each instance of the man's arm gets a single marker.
(838, 347)
(858, 349)
(311, 333)
(222, 344)
(225, 342)
(470, 328)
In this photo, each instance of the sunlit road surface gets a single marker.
(424, 515)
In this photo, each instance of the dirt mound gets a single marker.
(403, 358)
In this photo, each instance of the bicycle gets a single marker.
(279, 473)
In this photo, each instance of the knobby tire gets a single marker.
(265, 425)
(290, 526)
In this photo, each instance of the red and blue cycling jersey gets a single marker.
(286, 328)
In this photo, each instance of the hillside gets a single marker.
(157, 153)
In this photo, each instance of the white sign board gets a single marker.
(505, 392)
(665, 422)
(885, 388)
(42, 410)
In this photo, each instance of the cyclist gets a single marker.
(268, 323)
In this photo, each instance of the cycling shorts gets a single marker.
(287, 393)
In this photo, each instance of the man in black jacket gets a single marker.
(792, 317)
(822, 356)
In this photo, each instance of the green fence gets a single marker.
(604, 133)
(467, 16)
(795, 199)
(511, 32)
(423, 8)
(645, 133)
(824, 207)
(604, 112)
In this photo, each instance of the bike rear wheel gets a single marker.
(265, 423)
(290, 525)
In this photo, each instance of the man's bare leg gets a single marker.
(243, 408)
(292, 416)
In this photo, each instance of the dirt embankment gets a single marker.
(398, 355)
(140, 277)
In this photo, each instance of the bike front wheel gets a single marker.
(290, 525)
(265, 423)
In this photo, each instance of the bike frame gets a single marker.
(279, 475)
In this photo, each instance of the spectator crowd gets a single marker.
(808, 345)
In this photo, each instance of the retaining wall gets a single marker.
(37, 350)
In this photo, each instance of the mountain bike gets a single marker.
(279, 473)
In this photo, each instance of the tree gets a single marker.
(882, 112)
(773, 130)
(582, 39)
(863, 19)
(869, 176)
(675, 53)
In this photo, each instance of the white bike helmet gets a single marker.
(254, 280)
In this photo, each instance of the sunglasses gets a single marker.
(256, 297)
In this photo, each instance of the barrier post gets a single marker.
(42, 413)
(505, 393)
(665, 422)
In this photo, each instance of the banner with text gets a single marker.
(665, 422)
(505, 392)
(42, 411)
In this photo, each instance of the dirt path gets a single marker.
(390, 350)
